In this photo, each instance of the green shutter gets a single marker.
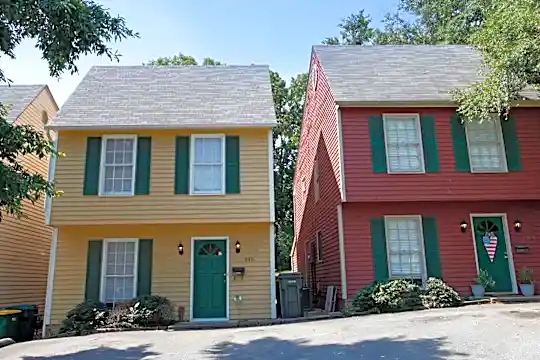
(459, 141)
(429, 141)
(378, 250)
(431, 247)
(181, 172)
(144, 271)
(378, 149)
(511, 144)
(93, 270)
(142, 176)
(92, 165)
(232, 159)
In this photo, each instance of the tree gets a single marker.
(506, 32)
(91, 28)
(182, 59)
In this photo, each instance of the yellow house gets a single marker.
(25, 241)
(168, 190)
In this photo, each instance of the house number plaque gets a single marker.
(521, 249)
(248, 259)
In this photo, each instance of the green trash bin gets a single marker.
(28, 320)
(10, 324)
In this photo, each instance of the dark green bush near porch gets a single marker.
(439, 295)
(402, 295)
(145, 311)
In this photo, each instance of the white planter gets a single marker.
(478, 290)
(527, 289)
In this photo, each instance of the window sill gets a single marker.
(116, 195)
(489, 171)
(405, 172)
(207, 194)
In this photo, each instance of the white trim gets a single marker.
(104, 265)
(162, 126)
(342, 184)
(194, 137)
(501, 150)
(342, 263)
(422, 247)
(192, 273)
(271, 188)
(318, 246)
(50, 178)
(50, 281)
(504, 220)
(102, 163)
(273, 303)
(416, 116)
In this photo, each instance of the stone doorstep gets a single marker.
(504, 299)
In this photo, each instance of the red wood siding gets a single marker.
(447, 184)
(456, 248)
(319, 140)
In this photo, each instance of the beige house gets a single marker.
(25, 242)
(168, 190)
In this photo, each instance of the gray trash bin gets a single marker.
(290, 287)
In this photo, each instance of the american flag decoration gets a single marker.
(490, 243)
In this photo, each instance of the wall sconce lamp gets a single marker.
(237, 246)
(463, 225)
(517, 225)
(181, 249)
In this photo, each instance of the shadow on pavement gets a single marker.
(101, 353)
(384, 348)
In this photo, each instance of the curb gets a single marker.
(6, 341)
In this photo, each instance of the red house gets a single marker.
(390, 183)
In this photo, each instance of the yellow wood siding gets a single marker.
(162, 205)
(25, 242)
(171, 271)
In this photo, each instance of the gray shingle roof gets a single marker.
(400, 73)
(18, 97)
(170, 97)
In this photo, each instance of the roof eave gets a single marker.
(159, 127)
(422, 103)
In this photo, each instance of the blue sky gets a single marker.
(279, 33)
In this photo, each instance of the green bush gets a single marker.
(84, 318)
(439, 295)
(363, 300)
(155, 310)
(127, 316)
(398, 295)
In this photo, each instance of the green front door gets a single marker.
(210, 279)
(492, 252)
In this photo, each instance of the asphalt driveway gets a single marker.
(494, 332)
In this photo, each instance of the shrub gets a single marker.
(128, 316)
(363, 300)
(84, 318)
(397, 295)
(155, 310)
(440, 295)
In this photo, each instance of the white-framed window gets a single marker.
(207, 164)
(119, 270)
(117, 171)
(486, 146)
(403, 142)
(316, 189)
(405, 247)
(318, 246)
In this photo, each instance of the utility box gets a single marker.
(290, 289)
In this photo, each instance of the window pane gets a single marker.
(486, 149)
(403, 146)
(207, 178)
(208, 150)
(120, 271)
(405, 249)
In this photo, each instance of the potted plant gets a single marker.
(526, 284)
(483, 281)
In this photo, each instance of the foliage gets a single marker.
(84, 318)
(398, 295)
(363, 300)
(525, 275)
(91, 30)
(160, 310)
(181, 59)
(127, 316)
(439, 295)
(504, 31)
(484, 279)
